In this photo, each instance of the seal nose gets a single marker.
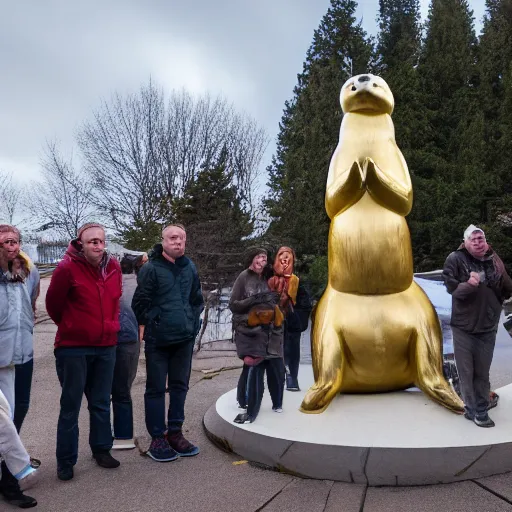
(364, 78)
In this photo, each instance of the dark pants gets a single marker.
(255, 386)
(292, 354)
(22, 388)
(174, 363)
(241, 390)
(84, 370)
(473, 357)
(127, 360)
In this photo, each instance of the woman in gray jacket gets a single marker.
(16, 343)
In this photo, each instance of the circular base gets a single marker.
(400, 438)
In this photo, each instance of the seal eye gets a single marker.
(353, 88)
(375, 85)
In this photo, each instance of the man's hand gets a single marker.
(474, 279)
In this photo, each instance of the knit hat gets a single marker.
(251, 253)
(470, 230)
(88, 225)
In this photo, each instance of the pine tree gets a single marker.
(495, 98)
(309, 131)
(448, 85)
(216, 223)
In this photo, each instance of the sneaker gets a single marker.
(18, 499)
(277, 409)
(105, 460)
(243, 418)
(291, 384)
(484, 421)
(241, 406)
(469, 416)
(161, 451)
(180, 445)
(29, 478)
(493, 400)
(123, 444)
(35, 463)
(65, 473)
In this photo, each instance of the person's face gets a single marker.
(93, 243)
(285, 258)
(173, 242)
(10, 245)
(477, 244)
(258, 263)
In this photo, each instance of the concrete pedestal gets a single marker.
(400, 438)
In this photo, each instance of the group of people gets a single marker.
(270, 309)
(104, 308)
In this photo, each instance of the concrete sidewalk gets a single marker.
(213, 481)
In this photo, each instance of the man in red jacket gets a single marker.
(83, 300)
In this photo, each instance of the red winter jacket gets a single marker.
(84, 301)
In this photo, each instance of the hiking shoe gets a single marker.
(484, 421)
(105, 460)
(65, 473)
(161, 451)
(180, 445)
(18, 499)
(243, 418)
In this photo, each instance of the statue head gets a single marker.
(367, 93)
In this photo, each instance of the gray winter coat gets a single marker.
(251, 290)
(16, 323)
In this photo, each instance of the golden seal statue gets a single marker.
(374, 329)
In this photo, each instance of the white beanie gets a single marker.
(470, 230)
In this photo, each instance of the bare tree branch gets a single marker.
(141, 151)
(62, 201)
(10, 193)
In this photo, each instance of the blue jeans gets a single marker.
(127, 360)
(82, 370)
(22, 388)
(173, 362)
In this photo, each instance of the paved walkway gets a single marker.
(214, 480)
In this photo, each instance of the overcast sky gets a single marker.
(59, 58)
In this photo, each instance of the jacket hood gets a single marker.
(75, 252)
(157, 253)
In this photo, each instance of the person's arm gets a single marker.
(452, 280)
(57, 294)
(237, 303)
(142, 301)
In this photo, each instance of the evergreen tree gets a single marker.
(448, 82)
(495, 97)
(309, 131)
(216, 223)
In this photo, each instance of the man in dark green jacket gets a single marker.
(167, 303)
